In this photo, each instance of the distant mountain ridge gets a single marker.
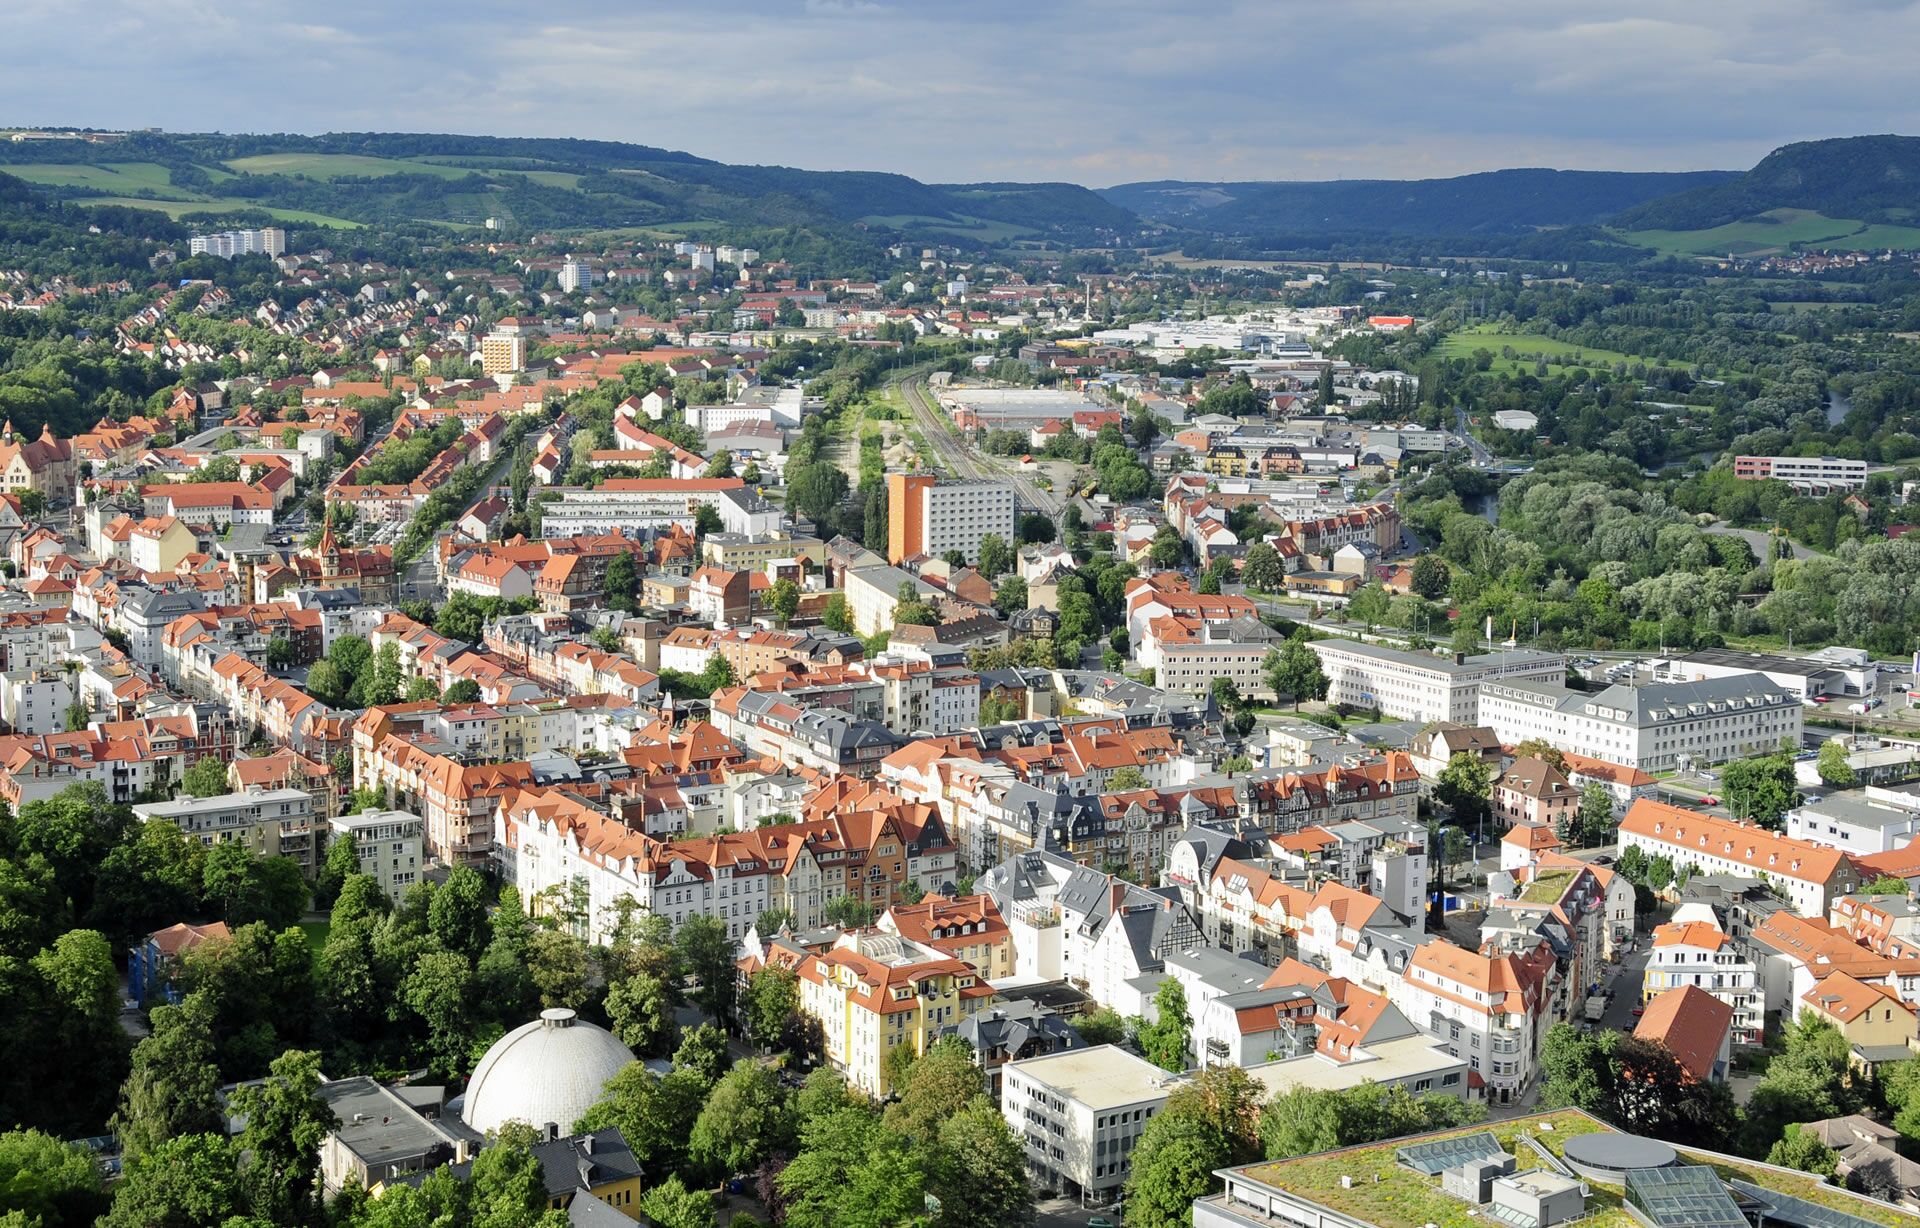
(1488, 202)
(1871, 178)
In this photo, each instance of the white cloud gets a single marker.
(1090, 90)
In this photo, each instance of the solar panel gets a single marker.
(1686, 1197)
(1442, 1154)
(1798, 1211)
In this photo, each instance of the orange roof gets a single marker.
(1844, 998)
(1747, 843)
(1689, 934)
(1691, 1024)
(1533, 836)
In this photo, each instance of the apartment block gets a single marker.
(931, 517)
(274, 822)
(389, 844)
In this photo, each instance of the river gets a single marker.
(1838, 407)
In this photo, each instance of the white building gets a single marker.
(266, 241)
(36, 700)
(1483, 1008)
(1855, 824)
(1807, 474)
(1080, 1113)
(931, 517)
(643, 507)
(389, 844)
(272, 821)
(1419, 686)
(1655, 727)
(576, 275)
(1696, 953)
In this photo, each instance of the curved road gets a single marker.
(1761, 541)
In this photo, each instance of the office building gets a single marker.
(1655, 727)
(1419, 686)
(930, 517)
(1079, 1115)
(1815, 475)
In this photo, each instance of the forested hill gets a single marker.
(1492, 202)
(1872, 178)
(389, 178)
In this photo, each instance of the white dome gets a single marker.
(550, 1070)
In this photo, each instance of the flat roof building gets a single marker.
(1655, 727)
(1419, 686)
(1079, 1115)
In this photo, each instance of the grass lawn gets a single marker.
(553, 179)
(1463, 342)
(1782, 229)
(1390, 1196)
(333, 166)
(1547, 888)
(175, 209)
(108, 176)
(316, 932)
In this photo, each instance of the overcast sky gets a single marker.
(1093, 91)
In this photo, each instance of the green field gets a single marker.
(553, 179)
(1463, 343)
(972, 227)
(1784, 229)
(108, 176)
(316, 932)
(176, 209)
(335, 166)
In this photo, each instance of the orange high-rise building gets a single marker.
(907, 514)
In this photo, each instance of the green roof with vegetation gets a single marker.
(1548, 888)
(1390, 1195)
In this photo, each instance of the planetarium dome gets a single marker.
(550, 1070)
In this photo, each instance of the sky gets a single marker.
(1088, 91)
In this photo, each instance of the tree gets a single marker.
(1368, 606)
(705, 952)
(641, 1009)
(783, 598)
(78, 716)
(1835, 771)
(621, 584)
(1295, 670)
(1262, 569)
(279, 652)
(837, 615)
(655, 1113)
(996, 557)
(324, 683)
(206, 778)
(851, 1173)
(457, 917)
(1164, 1041)
(1801, 1149)
(848, 913)
(1762, 789)
(1593, 825)
(1431, 577)
(1103, 1026)
(557, 967)
(703, 1052)
(461, 691)
(721, 465)
(507, 1187)
(815, 489)
(1173, 1167)
(438, 991)
(670, 1204)
(746, 1119)
(772, 998)
(286, 1122)
(980, 1175)
(420, 691)
(1464, 786)
(1125, 778)
(187, 1182)
(1304, 1120)
(47, 1182)
(910, 611)
(383, 686)
(1543, 750)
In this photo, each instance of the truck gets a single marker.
(1596, 1008)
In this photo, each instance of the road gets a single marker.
(1481, 454)
(961, 459)
(1761, 542)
